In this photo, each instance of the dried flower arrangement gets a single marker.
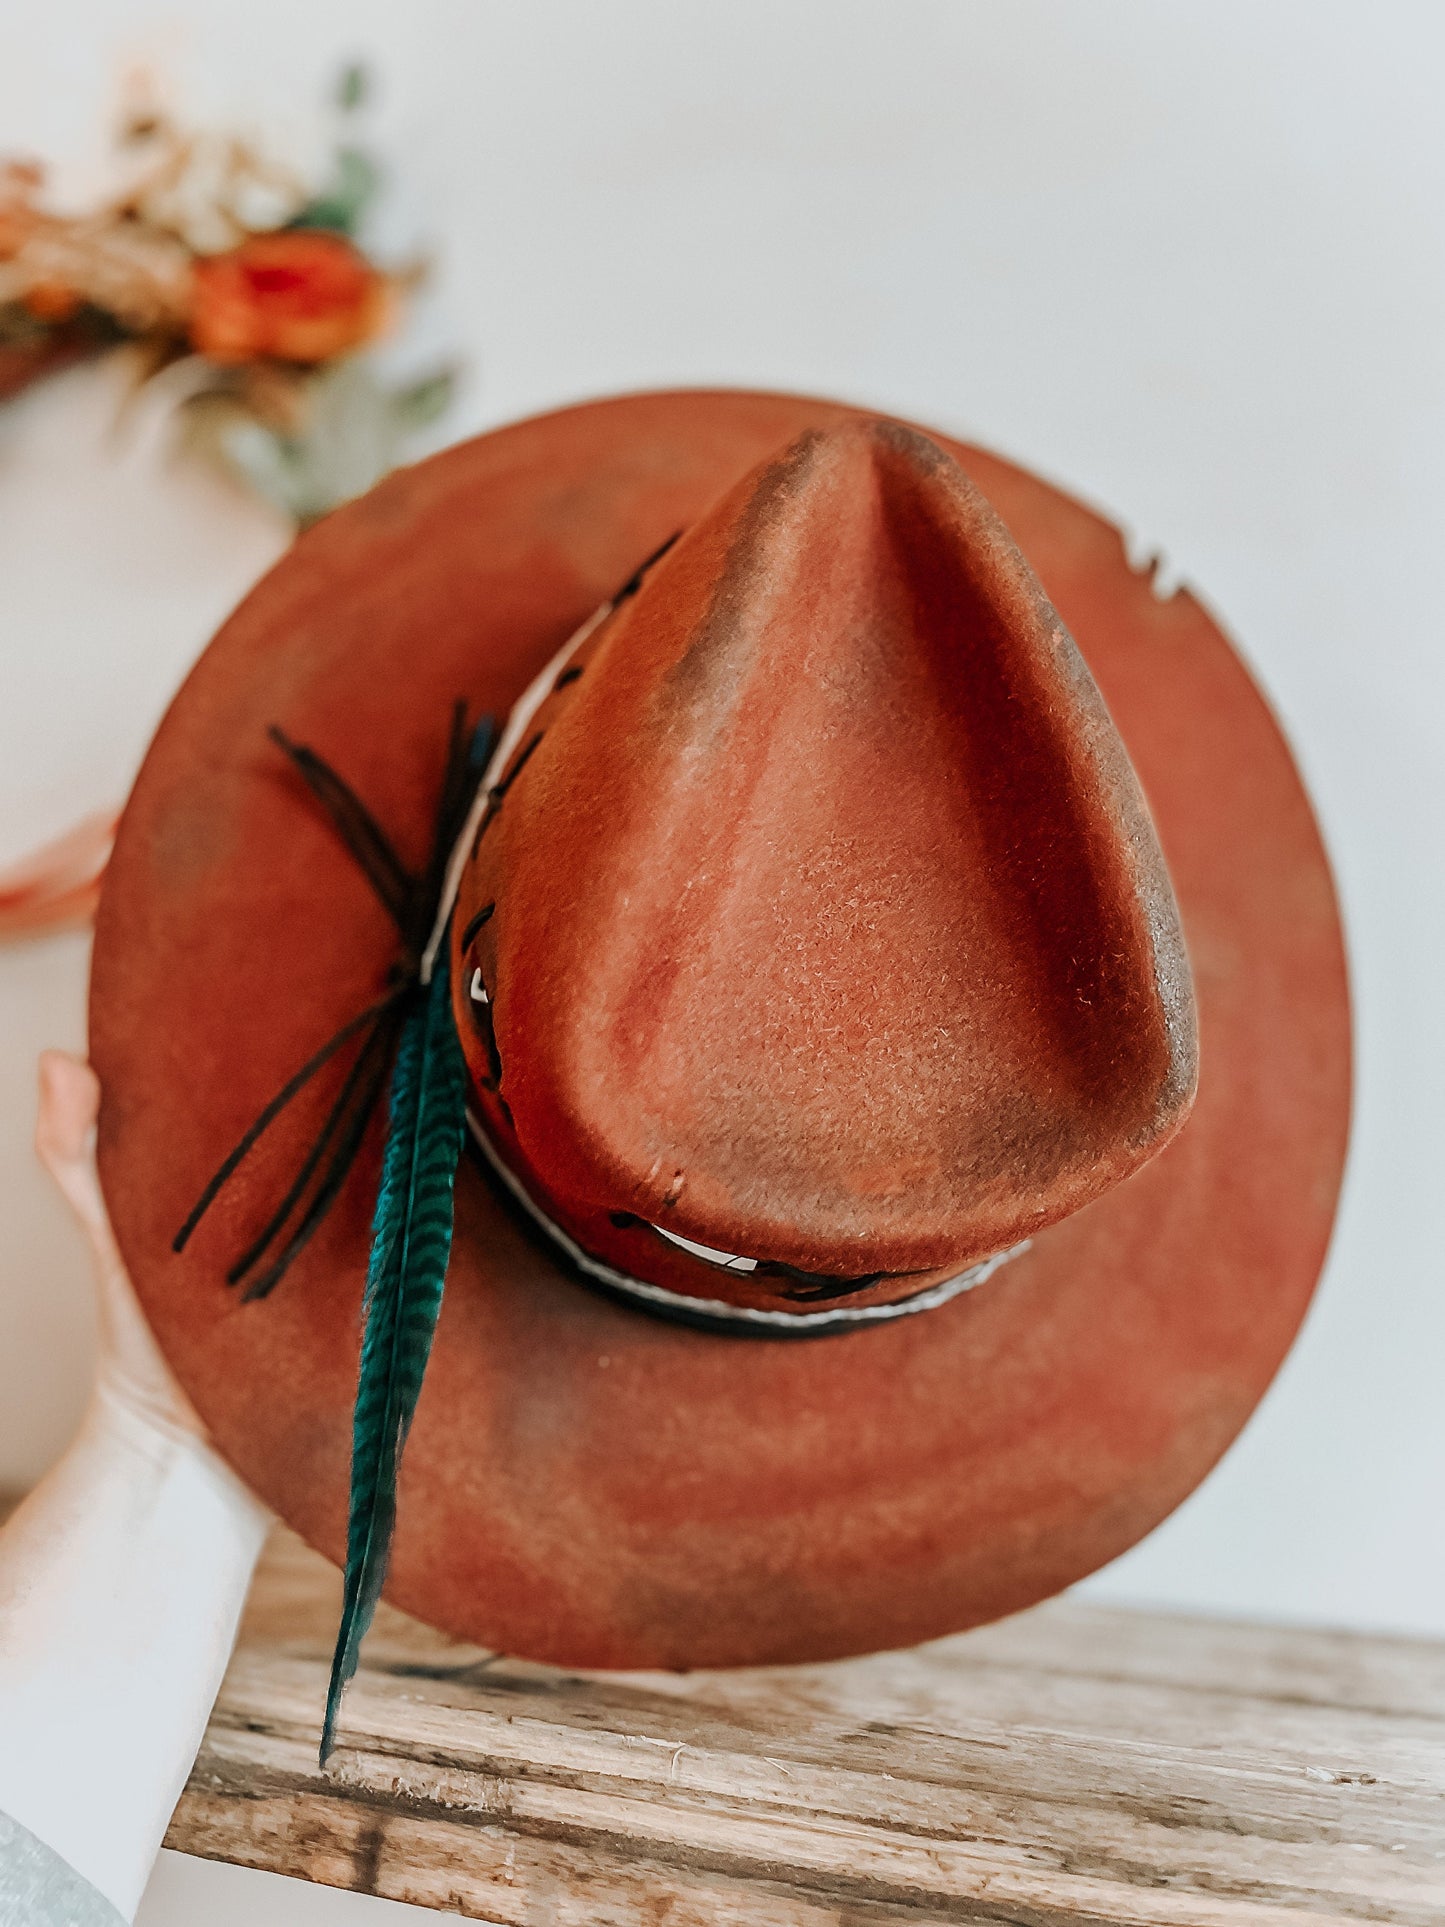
(252, 293)
(218, 258)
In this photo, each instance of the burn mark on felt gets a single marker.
(481, 1010)
(635, 580)
(497, 794)
(483, 916)
(487, 1031)
(483, 1018)
(504, 783)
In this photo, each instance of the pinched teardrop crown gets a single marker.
(816, 944)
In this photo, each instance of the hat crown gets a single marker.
(829, 927)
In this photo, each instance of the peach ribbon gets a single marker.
(57, 886)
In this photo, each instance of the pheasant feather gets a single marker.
(411, 1243)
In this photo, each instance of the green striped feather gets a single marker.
(411, 1242)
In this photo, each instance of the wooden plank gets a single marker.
(1074, 1765)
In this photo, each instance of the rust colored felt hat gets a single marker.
(869, 866)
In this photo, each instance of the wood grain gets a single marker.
(1073, 1765)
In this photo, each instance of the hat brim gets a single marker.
(584, 1483)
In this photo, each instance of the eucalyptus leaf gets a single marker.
(425, 401)
(353, 431)
(342, 204)
(353, 85)
(266, 463)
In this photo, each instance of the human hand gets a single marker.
(130, 1369)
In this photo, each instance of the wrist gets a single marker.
(122, 1578)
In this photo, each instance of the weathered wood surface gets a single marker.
(1073, 1765)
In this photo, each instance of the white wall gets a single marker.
(1184, 257)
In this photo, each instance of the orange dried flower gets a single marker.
(51, 301)
(298, 295)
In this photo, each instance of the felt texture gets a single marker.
(819, 914)
(584, 1483)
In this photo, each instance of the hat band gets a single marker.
(715, 1313)
(504, 747)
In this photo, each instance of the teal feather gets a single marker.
(411, 1243)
